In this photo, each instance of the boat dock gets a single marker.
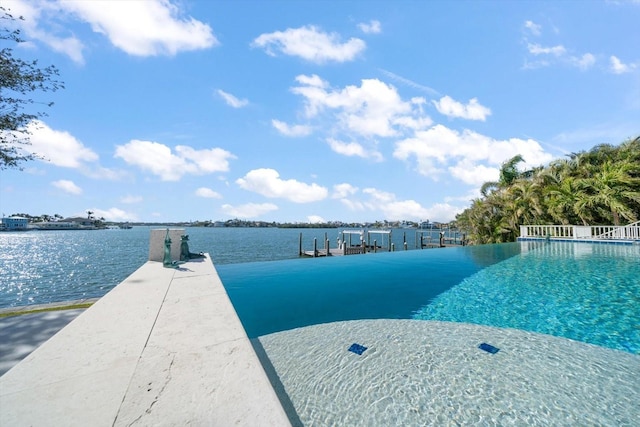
(354, 242)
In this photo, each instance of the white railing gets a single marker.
(543, 231)
(595, 232)
(627, 232)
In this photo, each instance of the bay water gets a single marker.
(40, 267)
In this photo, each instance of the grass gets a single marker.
(44, 309)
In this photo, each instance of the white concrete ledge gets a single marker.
(156, 243)
(164, 347)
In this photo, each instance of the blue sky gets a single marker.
(307, 111)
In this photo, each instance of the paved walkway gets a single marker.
(165, 347)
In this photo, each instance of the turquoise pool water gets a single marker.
(587, 292)
(280, 295)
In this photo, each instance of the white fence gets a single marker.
(594, 232)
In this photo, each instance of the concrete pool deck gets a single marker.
(164, 347)
(21, 334)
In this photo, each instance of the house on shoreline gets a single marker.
(75, 223)
(16, 223)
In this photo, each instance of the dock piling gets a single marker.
(300, 246)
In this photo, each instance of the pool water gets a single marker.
(586, 292)
(419, 321)
(281, 295)
(431, 373)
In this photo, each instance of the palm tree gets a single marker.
(525, 205)
(599, 186)
(509, 171)
(614, 190)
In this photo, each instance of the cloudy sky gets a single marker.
(307, 111)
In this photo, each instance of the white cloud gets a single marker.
(311, 44)
(114, 214)
(131, 199)
(99, 172)
(372, 27)
(441, 147)
(312, 80)
(472, 111)
(205, 161)
(618, 67)
(443, 212)
(159, 160)
(584, 62)
(534, 28)
(58, 147)
(474, 174)
(67, 186)
(395, 209)
(267, 182)
(353, 205)
(138, 27)
(232, 100)
(353, 149)
(368, 110)
(378, 196)
(70, 46)
(143, 27)
(341, 191)
(315, 219)
(536, 49)
(413, 123)
(293, 131)
(547, 56)
(207, 193)
(465, 198)
(249, 210)
(36, 16)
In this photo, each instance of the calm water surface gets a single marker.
(38, 267)
(276, 296)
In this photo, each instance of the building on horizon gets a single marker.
(14, 223)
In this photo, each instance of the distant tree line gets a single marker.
(39, 218)
(55, 218)
(596, 187)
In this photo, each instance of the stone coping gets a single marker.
(164, 347)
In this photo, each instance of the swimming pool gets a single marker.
(587, 292)
(275, 296)
(399, 338)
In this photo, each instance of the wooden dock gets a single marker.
(345, 247)
(323, 252)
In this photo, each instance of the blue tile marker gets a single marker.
(488, 348)
(357, 349)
